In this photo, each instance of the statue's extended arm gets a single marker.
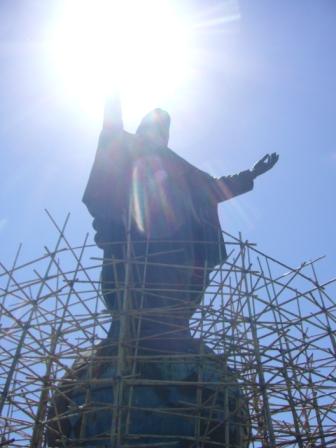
(231, 186)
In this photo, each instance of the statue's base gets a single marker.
(167, 399)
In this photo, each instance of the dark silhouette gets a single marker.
(169, 207)
(156, 220)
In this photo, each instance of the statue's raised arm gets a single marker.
(107, 190)
(113, 113)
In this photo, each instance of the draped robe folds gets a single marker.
(173, 208)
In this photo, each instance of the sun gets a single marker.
(139, 48)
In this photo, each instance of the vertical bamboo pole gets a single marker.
(118, 389)
(259, 367)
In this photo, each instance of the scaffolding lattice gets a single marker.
(270, 325)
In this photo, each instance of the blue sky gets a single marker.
(263, 82)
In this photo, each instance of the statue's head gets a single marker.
(154, 127)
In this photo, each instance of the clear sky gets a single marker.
(263, 80)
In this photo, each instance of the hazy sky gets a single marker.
(263, 80)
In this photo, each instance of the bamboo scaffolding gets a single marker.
(270, 329)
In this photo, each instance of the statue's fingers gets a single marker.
(276, 157)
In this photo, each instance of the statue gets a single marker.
(138, 184)
(155, 217)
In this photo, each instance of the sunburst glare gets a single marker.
(141, 49)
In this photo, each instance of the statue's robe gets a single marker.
(173, 211)
(169, 198)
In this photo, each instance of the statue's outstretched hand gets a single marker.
(264, 164)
